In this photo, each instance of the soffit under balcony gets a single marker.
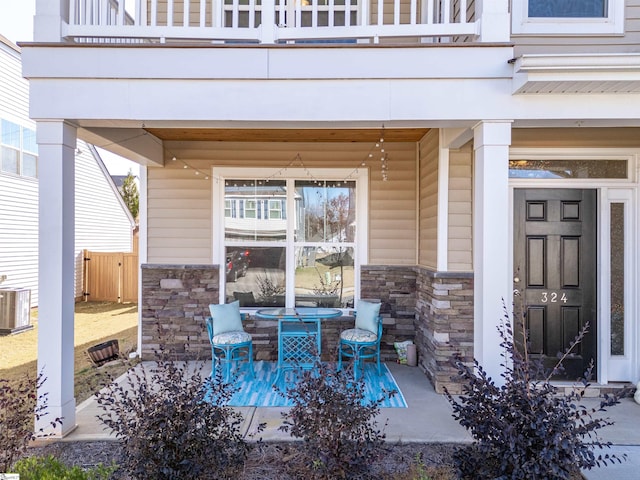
(287, 135)
(577, 74)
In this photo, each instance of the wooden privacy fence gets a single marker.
(110, 277)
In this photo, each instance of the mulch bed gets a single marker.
(274, 460)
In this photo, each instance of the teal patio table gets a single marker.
(299, 335)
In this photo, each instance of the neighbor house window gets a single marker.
(299, 241)
(29, 153)
(568, 17)
(18, 150)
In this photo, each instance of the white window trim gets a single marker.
(631, 156)
(360, 176)
(21, 152)
(521, 24)
(619, 367)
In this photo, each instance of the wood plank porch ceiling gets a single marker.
(287, 135)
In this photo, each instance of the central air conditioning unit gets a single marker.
(15, 310)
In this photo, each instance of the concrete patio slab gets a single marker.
(427, 419)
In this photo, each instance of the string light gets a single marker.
(295, 162)
(384, 157)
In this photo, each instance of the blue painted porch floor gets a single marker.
(259, 391)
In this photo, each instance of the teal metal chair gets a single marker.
(363, 341)
(230, 344)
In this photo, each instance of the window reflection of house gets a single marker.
(255, 213)
(305, 257)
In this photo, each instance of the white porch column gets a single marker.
(495, 21)
(492, 278)
(50, 19)
(56, 236)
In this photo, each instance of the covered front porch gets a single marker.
(438, 309)
(431, 239)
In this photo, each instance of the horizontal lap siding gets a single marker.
(178, 13)
(18, 195)
(19, 234)
(428, 255)
(460, 241)
(626, 137)
(180, 205)
(14, 90)
(627, 43)
(179, 215)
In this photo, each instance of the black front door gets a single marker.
(555, 263)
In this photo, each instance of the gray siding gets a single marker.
(627, 43)
(19, 233)
(18, 195)
(14, 90)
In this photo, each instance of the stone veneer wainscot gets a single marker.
(433, 309)
(444, 324)
(175, 303)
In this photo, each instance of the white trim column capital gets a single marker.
(56, 132)
(492, 132)
(490, 240)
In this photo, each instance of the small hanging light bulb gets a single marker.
(185, 166)
(207, 177)
(377, 145)
(173, 159)
(197, 172)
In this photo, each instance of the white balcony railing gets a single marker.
(268, 21)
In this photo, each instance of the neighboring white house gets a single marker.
(102, 221)
(510, 162)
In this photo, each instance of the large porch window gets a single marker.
(293, 241)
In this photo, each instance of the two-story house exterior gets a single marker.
(475, 148)
(102, 220)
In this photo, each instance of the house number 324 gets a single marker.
(552, 297)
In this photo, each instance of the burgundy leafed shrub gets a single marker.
(19, 406)
(174, 422)
(336, 423)
(526, 428)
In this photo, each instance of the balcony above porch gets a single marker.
(271, 21)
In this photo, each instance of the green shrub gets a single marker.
(49, 468)
(19, 405)
(525, 428)
(336, 423)
(174, 422)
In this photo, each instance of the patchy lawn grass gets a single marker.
(95, 322)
